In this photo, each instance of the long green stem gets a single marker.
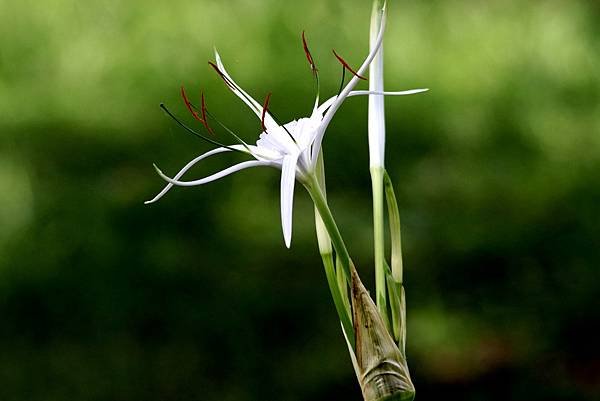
(377, 156)
(379, 240)
(340, 303)
(313, 188)
(335, 276)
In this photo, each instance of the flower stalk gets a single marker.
(376, 134)
(318, 197)
(334, 272)
(379, 240)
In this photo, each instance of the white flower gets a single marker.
(292, 147)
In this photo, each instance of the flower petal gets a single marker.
(184, 169)
(327, 104)
(399, 93)
(288, 179)
(246, 98)
(213, 177)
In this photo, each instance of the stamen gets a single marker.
(203, 109)
(233, 134)
(223, 77)
(189, 105)
(264, 111)
(193, 109)
(191, 131)
(345, 64)
(205, 112)
(342, 80)
(313, 67)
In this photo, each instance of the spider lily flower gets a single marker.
(292, 147)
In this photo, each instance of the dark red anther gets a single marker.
(346, 66)
(264, 111)
(204, 120)
(189, 105)
(313, 67)
(223, 77)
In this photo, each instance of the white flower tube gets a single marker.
(377, 151)
(376, 102)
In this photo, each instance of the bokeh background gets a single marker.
(196, 298)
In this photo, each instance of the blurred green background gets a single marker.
(196, 298)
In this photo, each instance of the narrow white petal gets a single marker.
(246, 98)
(327, 104)
(399, 93)
(376, 126)
(347, 89)
(316, 106)
(184, 169)
(216, 176)
(288, 178)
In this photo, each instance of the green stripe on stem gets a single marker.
(379, 242)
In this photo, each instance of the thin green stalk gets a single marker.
(313, 188)
(341, 279)
(379, 241)
(340, 303)
(377, 156)
(337, 288)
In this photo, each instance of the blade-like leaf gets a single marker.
(340, 306)
(394, 280)
(342, 283)
(394, 222)
(398, 309)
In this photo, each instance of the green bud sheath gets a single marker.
(382, 370)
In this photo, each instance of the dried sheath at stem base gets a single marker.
(382, 370)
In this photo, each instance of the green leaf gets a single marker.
(379, 241)
(395, 276)
(398, 309)
(340, 306)
(342, 281)
(394, 222)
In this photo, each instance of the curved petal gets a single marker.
(327, 104)
(400, 93)
(246, 98)
(347, 89)
(213, 177)
(184, 169)
(288, 179)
